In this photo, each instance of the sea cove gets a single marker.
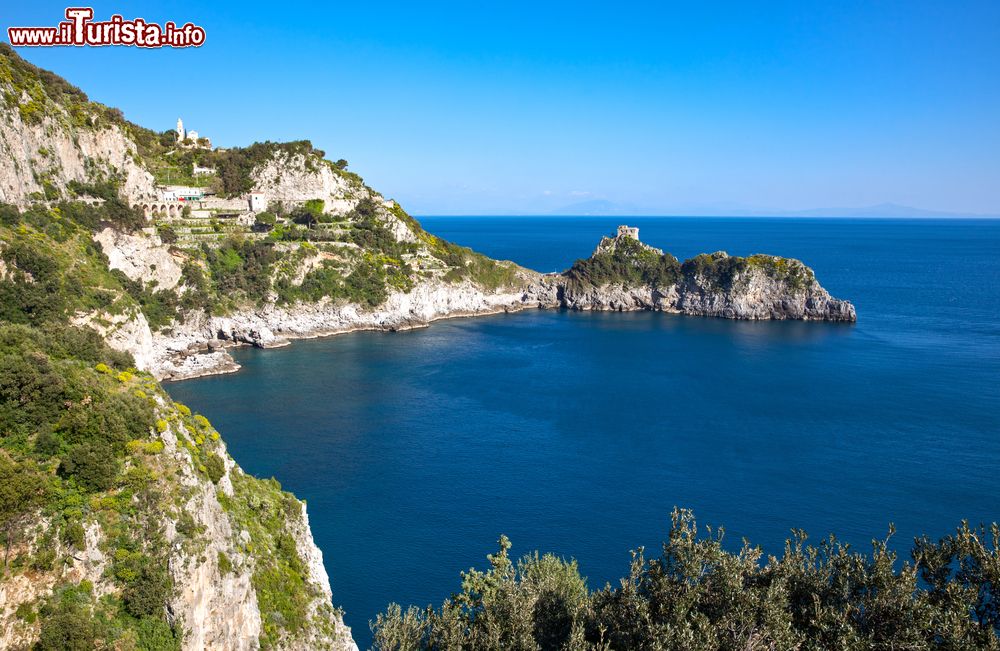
(578, 432)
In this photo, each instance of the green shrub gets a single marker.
(242, 268)
(26, 613)
(68, 622)
(265, 221)
(315, 206)
(73, 535)
(186, 526)
(92, 465)
(166, 232)
(630, 263)
(215, 467)
(155, 634)
(198, 291)
(9, 215)
(366, 285)
(22, 488)
(719, 272)
(148, 593)
(225, 565)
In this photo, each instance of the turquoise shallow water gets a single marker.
(577, 433)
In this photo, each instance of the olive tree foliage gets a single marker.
(699, 596)
(509, 606)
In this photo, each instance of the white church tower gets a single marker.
(180, 131)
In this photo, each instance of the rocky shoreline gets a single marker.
(198, 347)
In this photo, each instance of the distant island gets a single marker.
(609, 208)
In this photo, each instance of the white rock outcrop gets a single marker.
(56, 152)
(140, 256)
(295, 178)
(128, 332)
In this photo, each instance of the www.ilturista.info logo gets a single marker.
(79, 29)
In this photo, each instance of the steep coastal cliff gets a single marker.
(125, 523)
(136, 527)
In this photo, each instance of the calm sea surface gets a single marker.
(577, 433)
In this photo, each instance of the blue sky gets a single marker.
(521, 108)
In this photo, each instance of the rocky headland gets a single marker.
(759, 287)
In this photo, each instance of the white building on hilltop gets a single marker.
(186, 137)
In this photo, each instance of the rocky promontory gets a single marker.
(625, 274)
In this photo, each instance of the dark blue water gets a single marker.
(577, 433)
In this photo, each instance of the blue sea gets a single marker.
(577, 433)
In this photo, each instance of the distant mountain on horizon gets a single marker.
(879, 210)
(604, 207)
(599, 207)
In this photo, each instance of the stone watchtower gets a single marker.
(180, 131)
(629, 231)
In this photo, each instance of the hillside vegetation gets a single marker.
(697, 596)
(630, 263)
(82, 456)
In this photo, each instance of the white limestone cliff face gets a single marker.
(756, 295)
(216, 608)
(140, 256)
(296, 178)
(128, 332)
(57, 152)
(616, 298)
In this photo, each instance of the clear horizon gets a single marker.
(715, 110)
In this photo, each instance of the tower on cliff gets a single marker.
(180, 131)
(628, 231)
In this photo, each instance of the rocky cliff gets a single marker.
(124, 521)
(51, 136)
(232, 555)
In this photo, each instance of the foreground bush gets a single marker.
(697, 596)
